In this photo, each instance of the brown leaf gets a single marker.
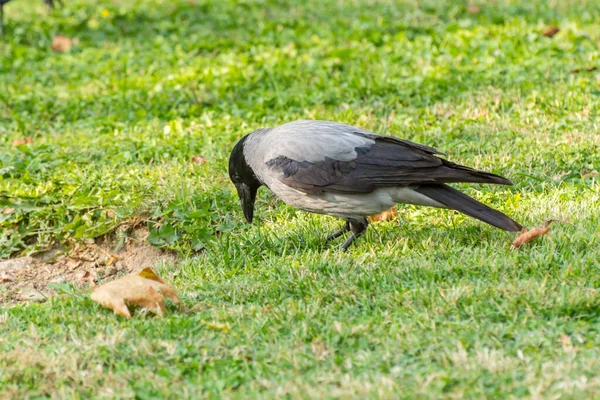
(8, 210)
(527, 236)
(6, 277)
(111, 260)
(589, 174)
(88, 277)
(144, 289)
(61, 43)
(551, 31)
(384, 216)
(578, 70)
(566, 343)
(198, 159)
(473, 9)
(22, 141)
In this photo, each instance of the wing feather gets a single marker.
(316, 157)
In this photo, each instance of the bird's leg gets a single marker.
(358, 228)
(339, 232)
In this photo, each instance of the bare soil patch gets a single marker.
(36, 278)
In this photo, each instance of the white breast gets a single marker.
(351, 205)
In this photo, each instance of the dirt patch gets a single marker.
(40, 277)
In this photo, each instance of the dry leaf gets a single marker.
(111, 260)
(566, 343)
(565, 340)
(588, 69)
(589, 174)
(384, 216)
(6, 277)
(527, 236)
(61, 43)
(551, 31)
(198, 160)
(88, 277)
(473, 8)
(22, 141)
(144, 289)
(8, 211)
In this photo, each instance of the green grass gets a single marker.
(430, 305)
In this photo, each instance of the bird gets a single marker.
(49, 3)
(347, 172)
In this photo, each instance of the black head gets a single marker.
(243, 178)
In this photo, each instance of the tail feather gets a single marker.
(452, 172)
(457, 200)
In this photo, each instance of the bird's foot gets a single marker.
(358, 228)
(338, 233)
(349, 242)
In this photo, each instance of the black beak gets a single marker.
(247, 197)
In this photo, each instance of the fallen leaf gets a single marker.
(8, 211)
(473, 8)
(6, 277)
(578, 70)
(589, 174)
(384, 216)
(527, 236)
(86, 276)
(551, 31)
(566, 343)
(144, 289)
(61, 43)
(22, 141)
(198, 159)
(564, 339)
(111, 260)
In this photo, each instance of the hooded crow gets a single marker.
(347, 172)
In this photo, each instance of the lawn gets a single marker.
(431, 304)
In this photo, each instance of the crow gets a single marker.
(347, 172)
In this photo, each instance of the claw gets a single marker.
(348, 242)
(338, 233)
(357, 227)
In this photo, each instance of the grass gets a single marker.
(431, 305)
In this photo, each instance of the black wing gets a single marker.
(386, 163)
